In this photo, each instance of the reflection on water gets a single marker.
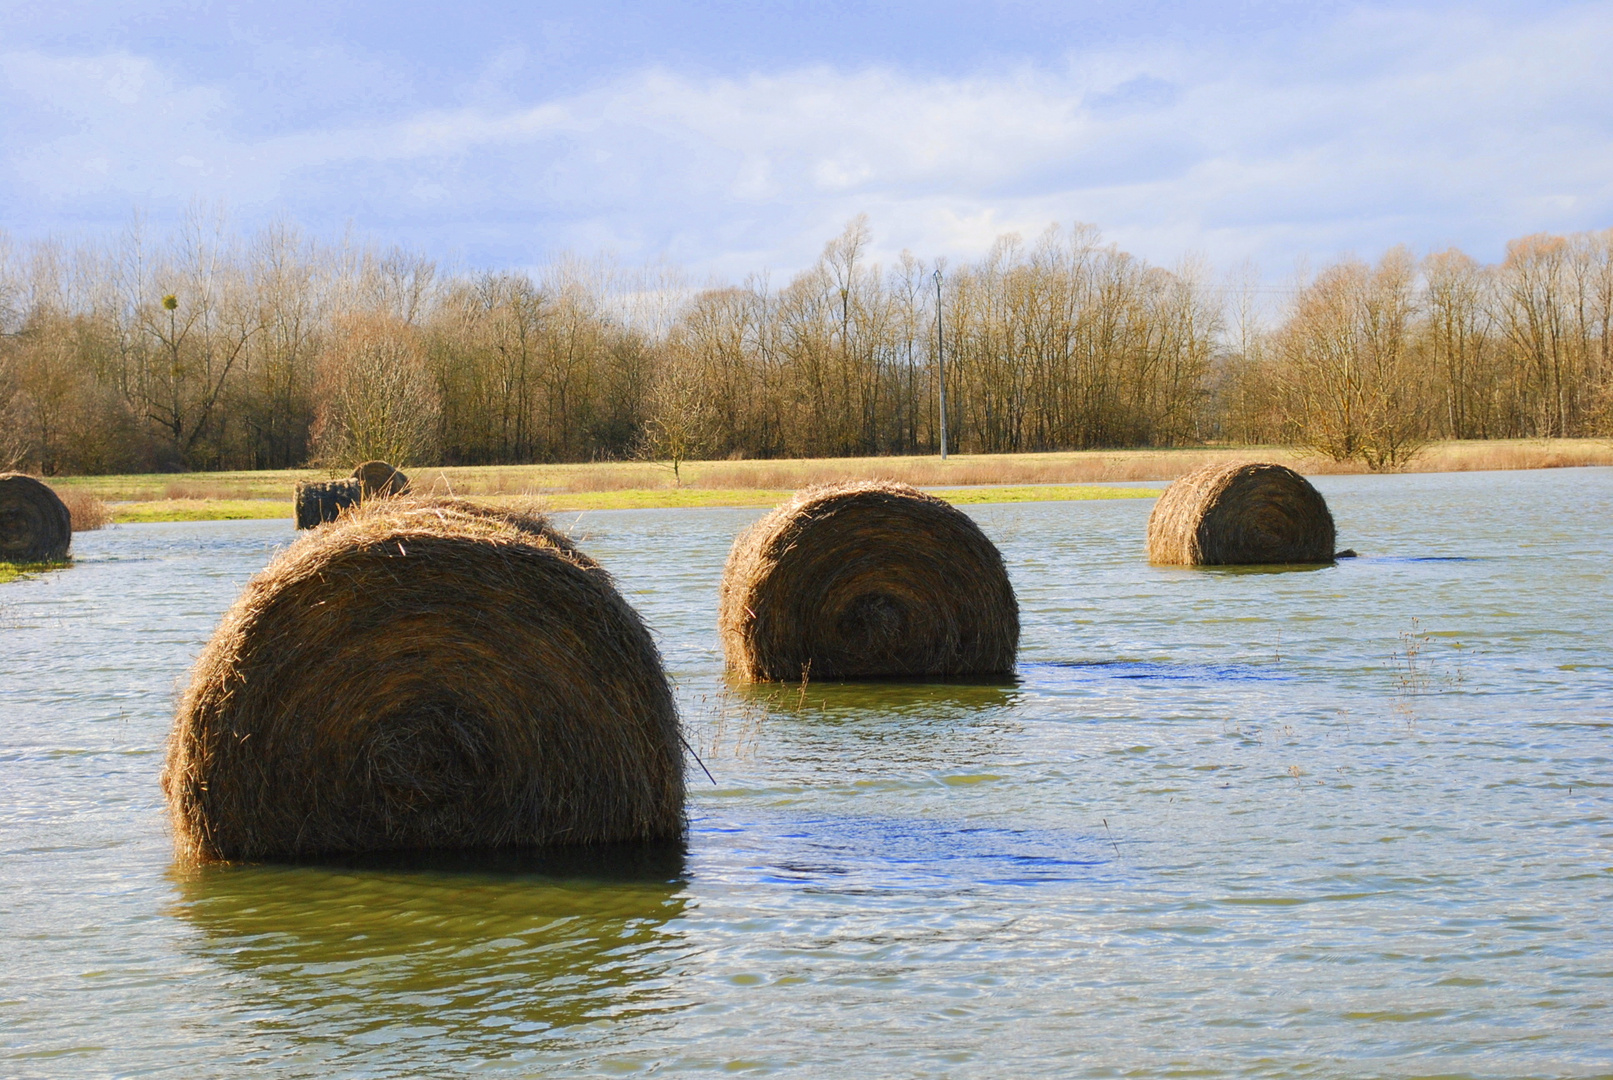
(1256, 569)
(840, 725)
(463, 951)
(948, 701)
(1050, 673)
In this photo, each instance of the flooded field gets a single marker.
(1351, 821)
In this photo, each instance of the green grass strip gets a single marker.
(10, 571)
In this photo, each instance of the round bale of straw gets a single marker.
(866, 580)
(379, 478)
(1240, 513)
(320, 502)
(425, 677)
(35, 525)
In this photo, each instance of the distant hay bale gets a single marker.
(380, 478)
(35, 525)
(862, 580)
(420, 677)
(320, 502)
(1240, 513)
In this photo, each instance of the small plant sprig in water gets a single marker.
(1417, 671)
(1413, 668)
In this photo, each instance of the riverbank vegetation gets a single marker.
(207, 351)
(962, 478)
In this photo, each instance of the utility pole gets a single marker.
(941, 363)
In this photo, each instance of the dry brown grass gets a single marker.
(866, 579)
(425, 676)
(1241, 513)
(87, 512)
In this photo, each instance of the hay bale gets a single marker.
(866, 579)
(419, 677)
(1240, 513)
(379, 478)
(322, 501)
(35, 525)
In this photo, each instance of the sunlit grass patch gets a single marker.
(1042, 493)
(200, 510)
(10, 571)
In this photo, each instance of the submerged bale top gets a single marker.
(866, 579)
(1245, 513)
(380, 478)
(35, 525)
(425, 676)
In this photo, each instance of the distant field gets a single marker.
(625, 485)
(627, 499)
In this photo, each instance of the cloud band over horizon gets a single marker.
(1371, 127)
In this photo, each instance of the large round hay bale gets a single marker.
(863, 580)
(320, 502)
(1240, 513)
(419, 677)
(35, 525)
(380, 478)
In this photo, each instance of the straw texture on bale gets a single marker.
(1240, 513)
(320, 502)
(866, 580)
(425, 676)
(35, 525)
(379, 478)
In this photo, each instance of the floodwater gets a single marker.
(1340, 822)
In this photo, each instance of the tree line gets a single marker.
(205, 349)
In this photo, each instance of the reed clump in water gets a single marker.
(86, 511)
(421, 676)
(866, 579)
(35, 525)
(1240, 513)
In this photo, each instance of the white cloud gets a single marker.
(1386, 127)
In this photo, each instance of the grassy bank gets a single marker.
(629, 485)
(10, 571)
(626, 499)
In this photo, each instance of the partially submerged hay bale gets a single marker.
(35, 525)
(866, 579)
(1240, 513)
(380, 478)
(322, 501)
(421, 677)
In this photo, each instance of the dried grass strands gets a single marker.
(420, 677)
(1240, 513)
(319, 502)
(86, 511)
(35, 525)
(380, 478)
(866, 579)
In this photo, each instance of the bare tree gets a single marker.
(378, 401)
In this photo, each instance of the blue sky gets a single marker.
(730, 137)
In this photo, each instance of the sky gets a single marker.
(734, 137)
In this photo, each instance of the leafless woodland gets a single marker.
(206, 349)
